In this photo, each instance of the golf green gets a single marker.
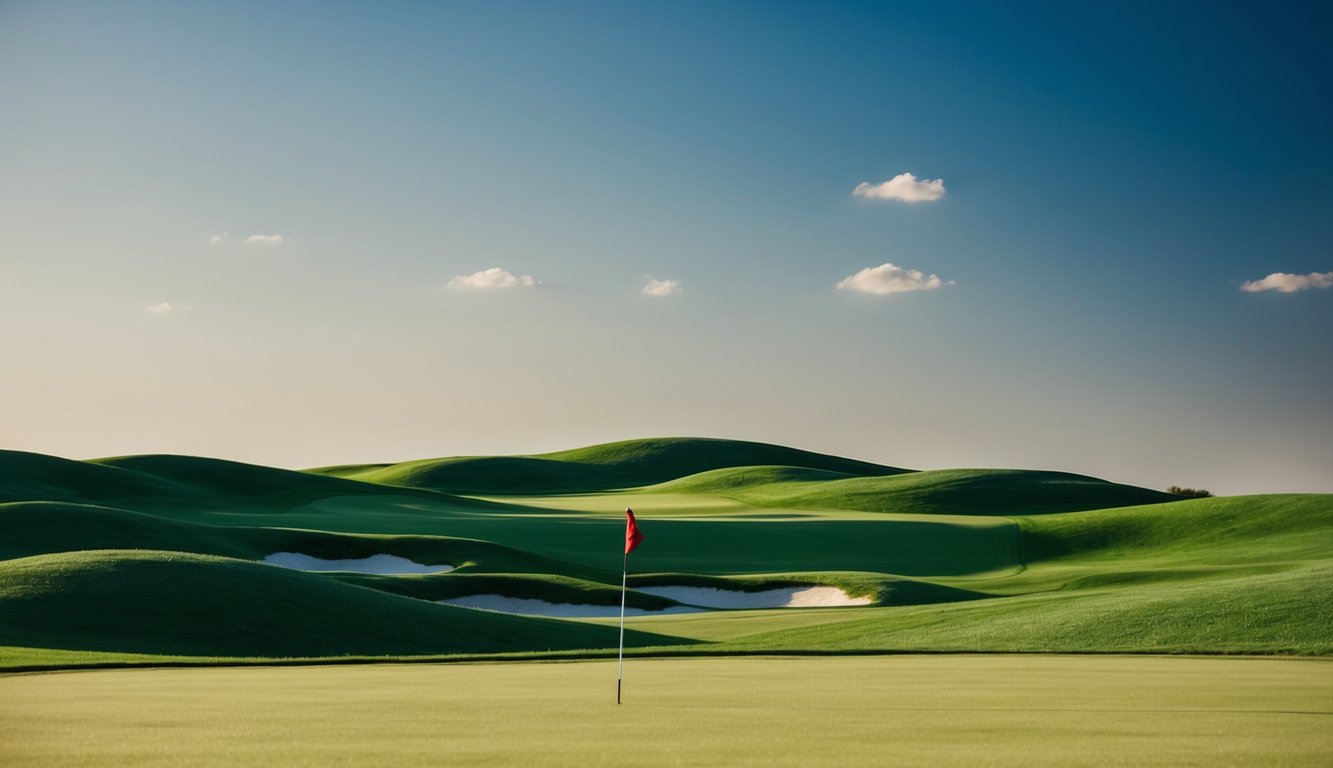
(989, 710)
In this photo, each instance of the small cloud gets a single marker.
(656, 287)
(1285, 282)
(159, 310)
(904, 187)
(891, 278)
(264, 240)
(218, 239)
(492, 278)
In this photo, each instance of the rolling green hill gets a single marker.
(156, 557)
(171, 603)
(951, 491)
(1242, 529)
(626, 464)
(149, 482)
(37, 477)
(37, 528)
(1281, 613)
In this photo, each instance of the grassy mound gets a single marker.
(35, 528)
(159, 481)
(1284, 528)
(1288, 612)
(659, 459)
(219, 479)
(954, 492)
(722, 482)
(627, 464)
(45, 527)
(37, 477)
(155, 555)
(178, 604)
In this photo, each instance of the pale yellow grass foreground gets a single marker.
(847, 711)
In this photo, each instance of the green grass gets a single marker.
(1243, 529)
(149, 557)
(127, 601)
(934, 492)
(588, 533)
(151, 482)
(600, 467)
(37, 528)
(947, 711)
(1281, 613)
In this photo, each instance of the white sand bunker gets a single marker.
(382, 565)
(561, 610)
(786, 597)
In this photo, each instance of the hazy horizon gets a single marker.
(1031, 235)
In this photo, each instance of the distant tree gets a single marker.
(1193, 493)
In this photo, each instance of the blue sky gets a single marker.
(1113, 175)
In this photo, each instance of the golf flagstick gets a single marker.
(632, 539)
(620, 665)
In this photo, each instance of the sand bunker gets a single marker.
(383, 565)
(561, 610)
(786, 597)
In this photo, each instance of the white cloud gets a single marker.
(264, 240)
(218, 239)
(159, 309)
(1285, 282)
(488, 279)
(655, 287)
(891, 278)
(904, 187)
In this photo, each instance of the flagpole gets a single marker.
(633, 537)
(620, 665)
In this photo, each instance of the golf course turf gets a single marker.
(148, 557)
(159, 561)
(961, 711)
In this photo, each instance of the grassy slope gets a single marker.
(1286, 612)
(600, 467)
(1245, 574)
(35, 528)
(129, 601)
(951, 491)
(44, 527)
(1193, 540)
(1241, 574)
(1231, 530)
(37, 477)
(157, 481)
(583, 547)
(730, 544)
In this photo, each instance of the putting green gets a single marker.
(904, 710)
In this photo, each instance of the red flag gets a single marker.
(633, 536)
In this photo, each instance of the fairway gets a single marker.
(899, 710)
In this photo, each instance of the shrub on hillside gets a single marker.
(1193, 493)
